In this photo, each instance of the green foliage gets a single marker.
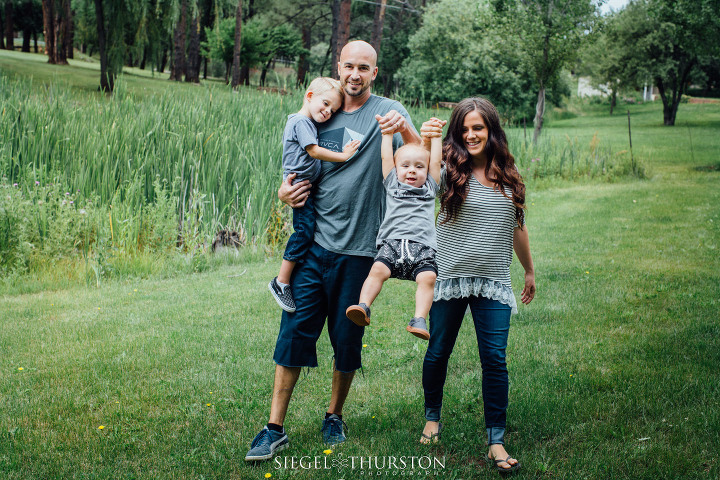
(661, 42)
(456, 54)
(259, 43)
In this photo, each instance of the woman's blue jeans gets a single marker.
(492, 323)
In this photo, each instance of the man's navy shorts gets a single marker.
(324, 285)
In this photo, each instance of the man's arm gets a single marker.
(321, 153)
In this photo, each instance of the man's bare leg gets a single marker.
(285, 380)
(333, 427)
(341, 383)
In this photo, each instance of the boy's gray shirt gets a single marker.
(300, 131)
(409, 211)
(349, 196)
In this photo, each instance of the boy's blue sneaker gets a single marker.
(283, 295)
(333, 430)
(266, 444)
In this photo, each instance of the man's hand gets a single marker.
(392, 122)
(294, 195)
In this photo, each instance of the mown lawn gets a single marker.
(615, 367)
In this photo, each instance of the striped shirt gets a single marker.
(478, 242)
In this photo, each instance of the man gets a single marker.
(348, 201)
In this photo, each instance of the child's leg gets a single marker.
(379, 273)
(286, 269)
(300, 241)
(424, 293)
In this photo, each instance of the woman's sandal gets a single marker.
(433, 437)
(513, 468)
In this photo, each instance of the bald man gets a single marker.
(348, 202)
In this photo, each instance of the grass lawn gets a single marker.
(614, 367)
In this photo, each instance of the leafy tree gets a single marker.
(601, 60)
(220, 44)
(456, 54)
(548, 35)
(664, 41)
(281, 41)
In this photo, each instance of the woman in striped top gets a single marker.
(481, 221)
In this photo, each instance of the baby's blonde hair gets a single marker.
(409, 148)
(324, 84)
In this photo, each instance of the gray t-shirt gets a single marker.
(349, 199)
(409, 211)
(299, 132)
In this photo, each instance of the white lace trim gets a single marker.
(478, 286)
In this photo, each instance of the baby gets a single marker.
(302, 155)
(406, 240)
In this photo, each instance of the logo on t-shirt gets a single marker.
(336, 140)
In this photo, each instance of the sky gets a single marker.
(614, 5)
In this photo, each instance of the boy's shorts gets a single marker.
(406, 259)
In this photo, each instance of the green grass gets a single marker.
(614, 366)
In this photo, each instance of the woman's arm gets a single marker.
(521, 245)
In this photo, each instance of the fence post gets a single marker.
(632, 158)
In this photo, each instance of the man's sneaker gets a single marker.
(359, 314)
(333, 430)
(266, 444)
(418, 327)
(283, 295)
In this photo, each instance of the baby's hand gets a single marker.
(350, 149)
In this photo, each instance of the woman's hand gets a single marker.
(528, 291)
(431, 128)
(294, 195)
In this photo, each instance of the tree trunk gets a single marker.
(70, 32)
(265, 69)
(340, 32)
(62, 32)
(669, 104)
(539, 113)
(35, 43)
(106, 80)
(238, 46)
(245, 75)
(163, 60)
(27, 33)
(378, 25)
(178, 67)
(48, 7)
(193, 71)
(613, 100)
(304, 60)
(9, 33)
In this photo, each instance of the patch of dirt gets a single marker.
(709, 168)
(704, 100)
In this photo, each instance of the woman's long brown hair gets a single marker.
(500, 167)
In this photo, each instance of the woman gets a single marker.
(481, 221)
